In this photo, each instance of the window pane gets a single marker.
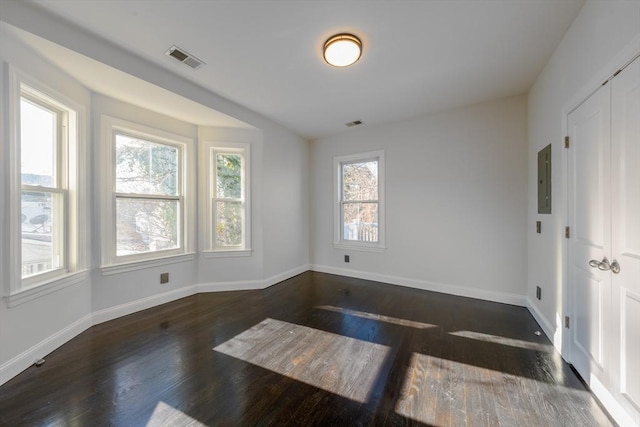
(42, 227)
(145, 225)
(229, 176)
(360, 181)
(37, 144)
(145, 167)
(229, 216)
(360, 222)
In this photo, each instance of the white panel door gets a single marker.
(625, 170)
(589, 209)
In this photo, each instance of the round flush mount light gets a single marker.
(342, 50)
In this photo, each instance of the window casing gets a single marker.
(46, 189)
(43, 177)
(359, 197)
(146, 210)
(227, 212)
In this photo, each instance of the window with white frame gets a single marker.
(145, 214)
(47, 144)
(359, 195)
(228, 209)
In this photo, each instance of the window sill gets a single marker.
(227, 253)
(40, 289)
(108, 270)
(359, 247)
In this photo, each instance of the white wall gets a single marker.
(455, 206)
(230, 270)
(286, 204)
(279, 205)
(113, 290)
(601, 39)
(280, 171)
(26, 328)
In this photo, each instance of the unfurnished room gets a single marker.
(320, 213)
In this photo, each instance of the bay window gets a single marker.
(227, 211)
(145, 204)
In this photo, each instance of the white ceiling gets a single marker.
(419, 56)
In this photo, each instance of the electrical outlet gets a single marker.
(164, 278)
(539, 227)
(538, 292)
(346, 258)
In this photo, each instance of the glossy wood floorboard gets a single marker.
(316, 349)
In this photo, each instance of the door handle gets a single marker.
(601, 265)
(615, 267)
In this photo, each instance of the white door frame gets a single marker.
(623, 58)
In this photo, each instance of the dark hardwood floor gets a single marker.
(316, 349)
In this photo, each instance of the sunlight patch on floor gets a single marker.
(511, 342)
(165, 416)
(342, 365)
(422, 383)
(440, 391)
(380, 317)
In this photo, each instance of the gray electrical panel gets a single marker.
(544, 180)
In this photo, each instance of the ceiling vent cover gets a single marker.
(185, 57)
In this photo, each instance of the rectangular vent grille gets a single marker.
(354, 123)
(185, 57)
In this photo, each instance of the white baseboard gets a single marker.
(501, 297)
(547, 327)
(240, 285)
(111, 313)
(597, 388)
(270, 281)
(13, 367)
(246, 285)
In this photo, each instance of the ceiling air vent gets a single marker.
(354, 123)
(185, 57)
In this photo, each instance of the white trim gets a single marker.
(14, 366)
(186, 156)
(140, 265)
(21, 362)
(75, 153)
(127, 308)
(14, 263)
(240, 285)
(338, 242)
(277, 278)
(363, 247)
(547, 327)
(463, 291)
(206, 196)
(41, 289)
(227, 254)
(244, 285)
(620, 60)
(158, 299)
(623, 58)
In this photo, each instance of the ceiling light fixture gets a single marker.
(342, 50)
